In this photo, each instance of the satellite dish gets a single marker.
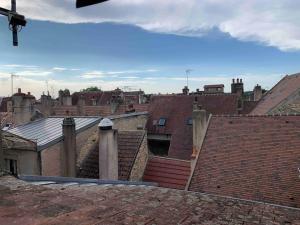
(84, 3)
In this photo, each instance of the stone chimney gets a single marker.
(200, 118)
(237, 87)
(257, 93)
(81, 105)
(108, 151)
(68, 153)
(22, 107)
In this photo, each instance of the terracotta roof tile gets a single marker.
(251, 157)
(167, 172)
(23, 203)
(128, 144)
(177, 110)
(284, 88)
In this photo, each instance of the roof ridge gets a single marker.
(257, 115)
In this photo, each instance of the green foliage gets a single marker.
(90, 89)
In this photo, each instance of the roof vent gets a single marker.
(105, 124)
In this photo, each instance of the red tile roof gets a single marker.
(26, 204)
(283, 89)
(251, 157)
(128, 146)
(167, 172)
(177, 109)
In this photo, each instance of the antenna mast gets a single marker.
(15, 20)
(187, 72)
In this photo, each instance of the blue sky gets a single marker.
(139, 51)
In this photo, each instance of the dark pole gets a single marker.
(14, 27)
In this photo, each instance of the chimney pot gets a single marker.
(28, 93)
(241, 80)
(238, 80)
(106, 124)
(19, 90)
(233, 81)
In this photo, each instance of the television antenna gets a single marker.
(16, 21)
(12, 76)
(188, 72)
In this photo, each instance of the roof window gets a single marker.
(189, 121)
(162, 122)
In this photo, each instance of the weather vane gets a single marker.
(15, 20)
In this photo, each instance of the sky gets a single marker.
(149, 45)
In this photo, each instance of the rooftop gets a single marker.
(177, 110)
(74, 203)
(128, 146)
(282, 90)
(46, 132)
(251, 157)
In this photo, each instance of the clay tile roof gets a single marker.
(128, 145)
(24, 203)
(251, 157)
(283, 89)
(177, 109)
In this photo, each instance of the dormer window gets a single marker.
(162, 122)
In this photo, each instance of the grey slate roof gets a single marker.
(46, 132)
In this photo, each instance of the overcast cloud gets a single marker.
(271, 22)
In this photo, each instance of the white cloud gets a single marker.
(59, 68)
(33, 73)
(101, 74)
(272, 22)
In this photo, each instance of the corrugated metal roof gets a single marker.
(46, 132)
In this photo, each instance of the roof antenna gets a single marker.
(15, 20)
(187, 72)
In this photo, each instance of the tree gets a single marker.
(90, 89)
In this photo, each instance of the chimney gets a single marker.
(233, 81)
(200, 117)
(108, 151)
(185, 90)
(68, 153)
(28, 93)
(19, 90)
(257, 93)
(81, 105)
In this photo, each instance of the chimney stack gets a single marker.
(108, 151)
(68, 153)
(257, 93)
(19, 90)
(200, 117)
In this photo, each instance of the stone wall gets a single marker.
(23, 157)
(51, 160)
(130, 122)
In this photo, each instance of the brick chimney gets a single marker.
(200, 118)
(257, 93)
(68, 152)
(108, 151)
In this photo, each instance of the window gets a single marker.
(189, 121)
(162, 122)
(11, 166)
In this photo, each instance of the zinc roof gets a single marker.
(48, 131)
